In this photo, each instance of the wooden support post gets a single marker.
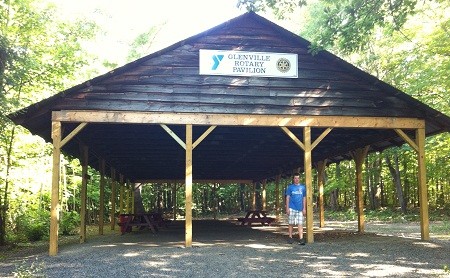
(122, 195)
(101, 219)
(277, 197)
(308, 181)
(254, 196)
(264, 183)
(423, 195)
(320, 180)
(214, 197)
(188, 220)
(127, 196)
(54, 209)
(83, 197)
(133, 188)
(174, 199)
(113, 199)
(359, 155)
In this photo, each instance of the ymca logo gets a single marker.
(217, 59)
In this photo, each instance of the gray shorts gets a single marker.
(295, 217)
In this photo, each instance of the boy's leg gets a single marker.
(290, 239)
(300, 235)
(300, 231)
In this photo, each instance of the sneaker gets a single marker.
(302, 241)
(290, 240)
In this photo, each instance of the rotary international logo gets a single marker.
(283, 65)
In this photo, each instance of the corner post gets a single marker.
(423, 195)
(320, 181)
(308, 181)
(264, 184)
(54, 210)
(188, 220)
(359, 155)
(101, 220)
(83, 197)
(113, 199)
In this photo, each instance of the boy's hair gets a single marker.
(296, 174)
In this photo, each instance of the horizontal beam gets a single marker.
(124, 117)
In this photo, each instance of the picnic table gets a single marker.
(141, 220)
(256, 216)
(159, 219)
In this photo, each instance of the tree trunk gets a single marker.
(395, 173)
(334, 194)
(138, 206)
(406, 184)
(205, 199)
(258, 195)
(242, 197)
(159, 199)
(374, 184)
(382, 194)
(4, 205)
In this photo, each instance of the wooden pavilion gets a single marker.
(243, 101)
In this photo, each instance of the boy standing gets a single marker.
(296, 207)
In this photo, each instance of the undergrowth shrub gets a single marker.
(32, 225)
(69, 223)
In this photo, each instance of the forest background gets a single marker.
(405, 43)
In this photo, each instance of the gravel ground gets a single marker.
(224, 249)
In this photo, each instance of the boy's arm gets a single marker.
(304, 206)
(287, 204)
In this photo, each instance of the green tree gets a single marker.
(38, 57)
(346, 25)
(143, 42)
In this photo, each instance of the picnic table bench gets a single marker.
(141, 220)
(256, 216)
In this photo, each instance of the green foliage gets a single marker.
(390, 215)
(344, 215)
(345, 25)
(39, 55)
(69, 223)
(143, 42)
(333, 185)
(281, 8)
(32, 225)
(441, 229)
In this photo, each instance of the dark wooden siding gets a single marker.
(170, 81)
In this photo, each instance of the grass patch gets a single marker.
(387, 215)
(441, 228)
(42, 246)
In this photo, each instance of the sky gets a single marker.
(122, 21)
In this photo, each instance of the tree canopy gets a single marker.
(39, 56)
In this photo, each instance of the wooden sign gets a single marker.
(242, 63)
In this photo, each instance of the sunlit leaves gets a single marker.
(142, 43)
(281, 8)
(39, 56)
